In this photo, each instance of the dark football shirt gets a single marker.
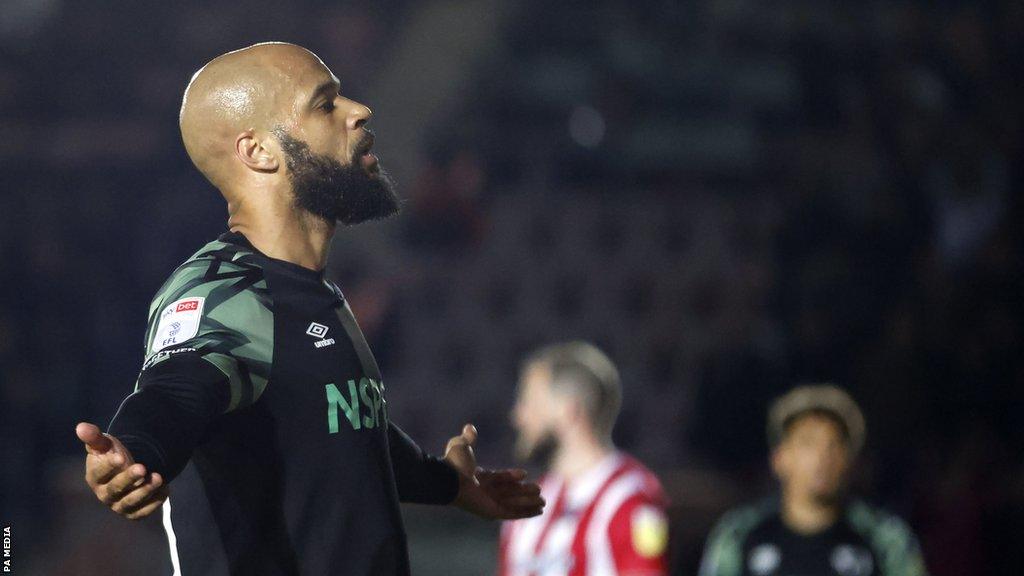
(754, 541)
(258, 378)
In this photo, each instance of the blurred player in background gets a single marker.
(812, 528)
(605, 511)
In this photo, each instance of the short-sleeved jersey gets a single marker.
(295, 478)
(609, 521)
(865, 541)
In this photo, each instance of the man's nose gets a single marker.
(358, 115)
(825, 457)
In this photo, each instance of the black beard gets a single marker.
(542, 452)
(332, 191)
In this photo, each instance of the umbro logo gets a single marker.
(318, 330)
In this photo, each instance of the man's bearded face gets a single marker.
(336, 192)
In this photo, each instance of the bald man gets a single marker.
(259, 403)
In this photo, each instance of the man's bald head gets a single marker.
(268, 126)
(254, 88)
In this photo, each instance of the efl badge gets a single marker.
(179, 321)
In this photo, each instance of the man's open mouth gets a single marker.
(363, 155)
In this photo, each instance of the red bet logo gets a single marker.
(187, 305)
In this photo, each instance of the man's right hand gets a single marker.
(115, 478)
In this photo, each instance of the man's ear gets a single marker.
(559, 410)
(253, 152)
(778, 462)
(573, 411)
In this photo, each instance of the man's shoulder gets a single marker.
(741, 520)
(217, 304)
(644, 480)
(889, 536)
(215, 264)
(220, 289)
(877, 523)
(637, 488)
(214, 259)
(724, 550)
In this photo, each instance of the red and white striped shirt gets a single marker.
(609, 521)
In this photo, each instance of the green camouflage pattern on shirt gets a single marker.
(723, 553)
(236, 329)
(890, 538)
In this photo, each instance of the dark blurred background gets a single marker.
(729, 196)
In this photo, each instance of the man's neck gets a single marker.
(284, 233)
(578, 455)
(808, 516)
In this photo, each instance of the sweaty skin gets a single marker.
(229, 114)
(230, 110)
(248, 89)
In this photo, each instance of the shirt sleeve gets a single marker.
(421, 477)
(638, 533)
(905, 560)
(891, 539)
(225, 317)
(166, 417)
(208, 350)
(723, 552)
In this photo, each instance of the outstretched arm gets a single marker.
(421, 478)
(495, 494)
(456, 479)
(153, 434)
(114, 476)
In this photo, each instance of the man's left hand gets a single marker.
(494, 494)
